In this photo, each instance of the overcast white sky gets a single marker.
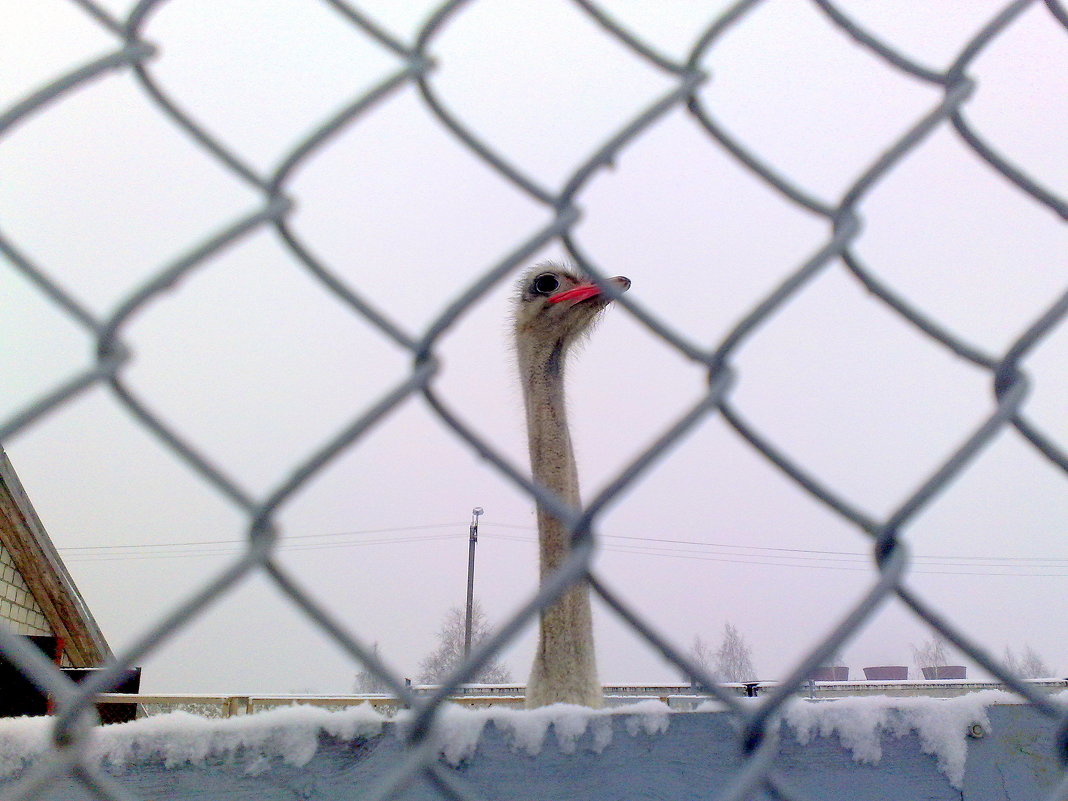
(256, 365)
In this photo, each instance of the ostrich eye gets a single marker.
(545, 284)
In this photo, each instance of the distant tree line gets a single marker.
(731, 661)
(1028, 665)
(446, 657)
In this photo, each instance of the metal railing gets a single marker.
(134, 53)
(677, 696)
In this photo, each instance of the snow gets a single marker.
(942, 724)
(180, 738)
(292, 733)
(459, 729)
(22, 739)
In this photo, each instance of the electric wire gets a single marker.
(811, 558)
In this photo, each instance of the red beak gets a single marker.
(580, 292)
(584, 291)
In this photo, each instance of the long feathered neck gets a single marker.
(552, 459)
(565, 667)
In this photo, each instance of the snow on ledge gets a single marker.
(292, 734)
(459, 728)
(942, 724)
(180, 738)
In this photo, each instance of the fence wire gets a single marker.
(134, 53)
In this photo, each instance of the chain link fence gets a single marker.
(134, 53)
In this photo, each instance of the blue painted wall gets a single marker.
(695, 756)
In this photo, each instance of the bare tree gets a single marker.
(1028, 666)
(436, 666)
(368, 682)
(931, 653)
(1032, 666)
(702, 656)
(734, 659)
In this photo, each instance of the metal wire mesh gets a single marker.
(134, 54)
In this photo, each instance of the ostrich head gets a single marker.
(554, 306)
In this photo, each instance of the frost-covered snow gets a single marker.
(292, 733)
(459, 729)
(942, 724)
(179, 738)
(21, 740)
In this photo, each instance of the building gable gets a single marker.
(35, 586)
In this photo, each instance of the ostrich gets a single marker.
(554, 307)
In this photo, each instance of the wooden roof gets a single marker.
(31, 549)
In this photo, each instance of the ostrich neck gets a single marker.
(565, 666)
(552, 460)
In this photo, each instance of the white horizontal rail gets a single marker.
(513, 695)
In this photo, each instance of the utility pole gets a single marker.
(472, 539)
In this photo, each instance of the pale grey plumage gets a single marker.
(565, 669)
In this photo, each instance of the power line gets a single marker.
(106, 553)
(812, 557)
(734, 559)
(704, 551)
(1063, 560)
(286, 537)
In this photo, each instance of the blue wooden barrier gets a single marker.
(688, 755)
